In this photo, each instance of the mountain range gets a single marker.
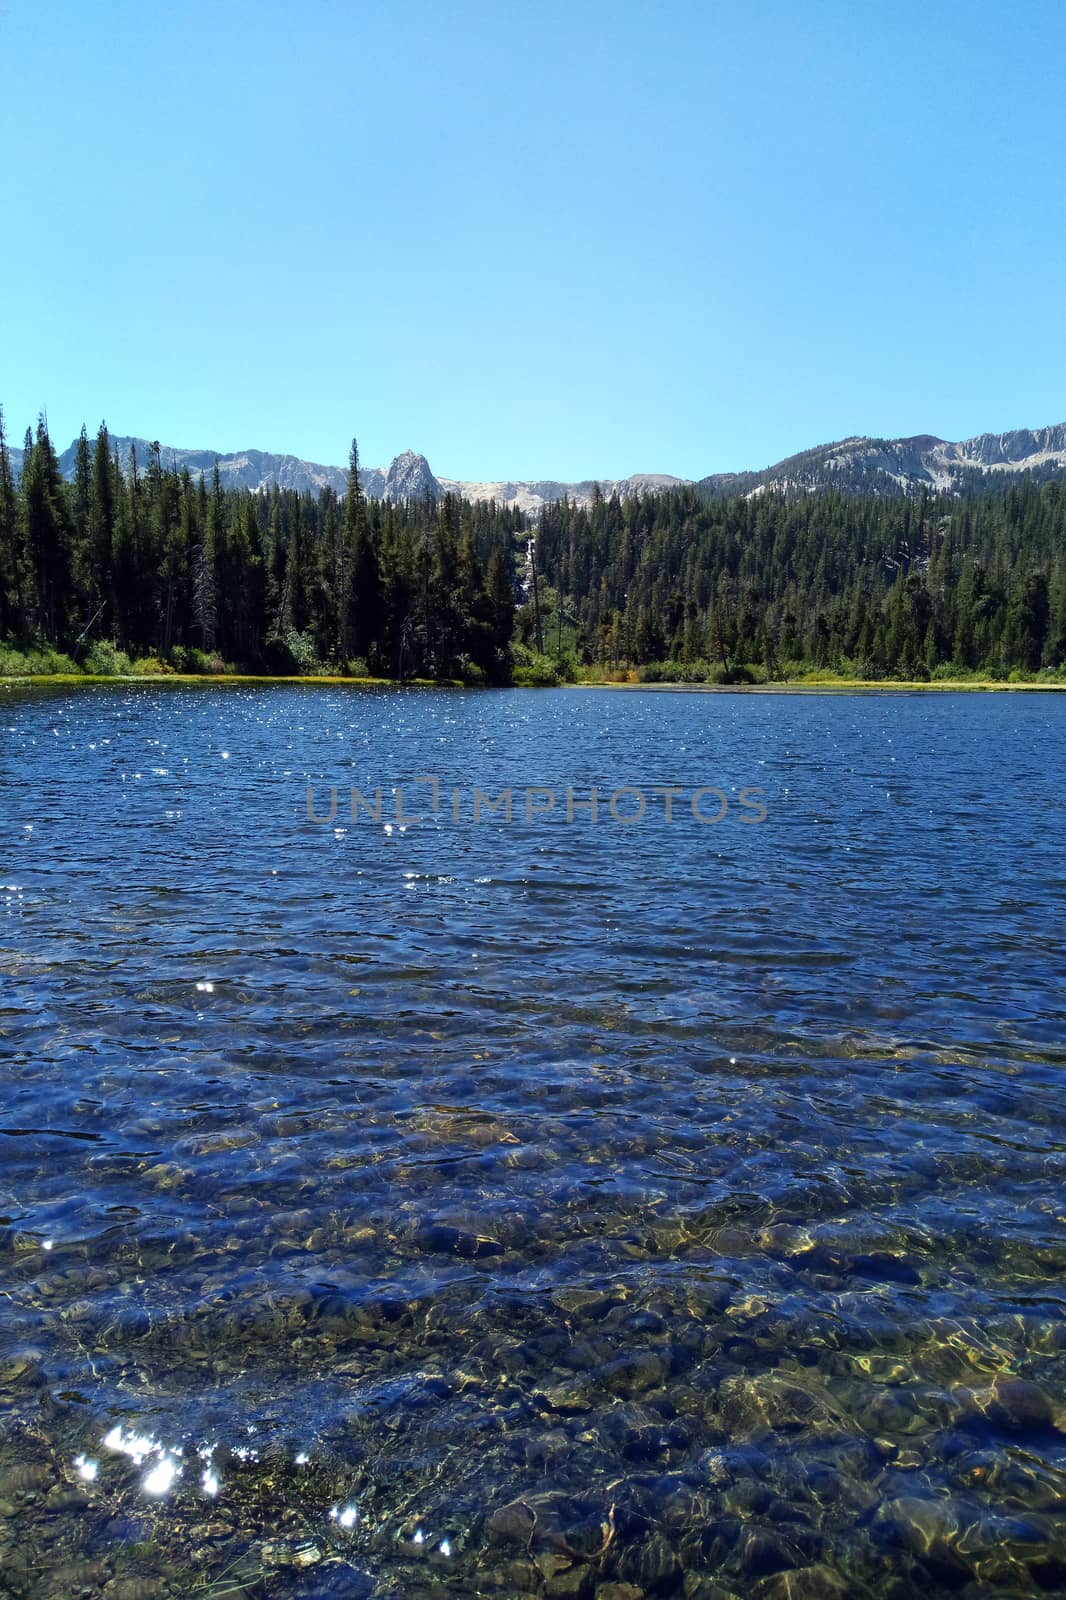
(904, 466)
(859, 465)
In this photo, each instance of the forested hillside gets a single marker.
(874, 587)
(135, 564)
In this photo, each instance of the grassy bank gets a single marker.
(216, 680)
(820, 685)
(838, 685)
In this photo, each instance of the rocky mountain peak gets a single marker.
(409, 478)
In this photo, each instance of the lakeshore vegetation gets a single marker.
(133, 567)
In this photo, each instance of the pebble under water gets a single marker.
(534, 1208)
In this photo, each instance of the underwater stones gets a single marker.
(785, 1241)
(439, 1238)
(79, 1577)
(746, 1498)
(823, 1482)
(710, 1545)
(570, 1398)
(1015, 1405)
(708, 1298)
(741, 1351)
(991, 1535)
(618, 1591)
(60, 1498)
(548, 1450)
(892, 1411)
(135, 1589)
(632, 1374)
(580, 1354)
(645, 1322)
(653, 1564)
(549, 1562)
(801, 1583)
(762, 1552)
(23, 1369)
(559, 1528)
(576, 1581)
(290, 1553)
(582, 1305)
(516, 1577)
(883, 1268)
(735, 1461)
(357, 1235)
(698, 1586)
(511, 1524)
(852, 1458)
(634, 1432)
(166, 1176)
(214, 1531)
(925, 1527)
(25, 1478)
(219, 1142)
(680, 1431)
(969, 1468)
(691, 1341)
(766, 1401)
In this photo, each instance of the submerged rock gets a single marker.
(1016, 1405)
(802, 1583)
(439, 1238)
(512, 1524)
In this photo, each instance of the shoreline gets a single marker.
(837, 686)
(828, 686)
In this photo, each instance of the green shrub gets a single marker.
(290, 654)
(13, 664)
(731, 675)
(150, 667)
(199, 661)
(675, 672)
(536, 672)
(47, 662)
(106, 661)
(38, 662)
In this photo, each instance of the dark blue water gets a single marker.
(538, 1206)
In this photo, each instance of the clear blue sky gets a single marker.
(538, 239)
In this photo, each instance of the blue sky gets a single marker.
(538, 239)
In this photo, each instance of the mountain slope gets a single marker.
(856, 465)
(902, 466)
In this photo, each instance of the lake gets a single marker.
(420, 1203)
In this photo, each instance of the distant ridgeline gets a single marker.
(760, 577)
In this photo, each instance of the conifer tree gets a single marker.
(47, 537)
(13, 595)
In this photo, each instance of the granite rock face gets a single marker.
(409, 478)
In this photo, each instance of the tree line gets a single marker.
(139, 560)
(148, 560)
